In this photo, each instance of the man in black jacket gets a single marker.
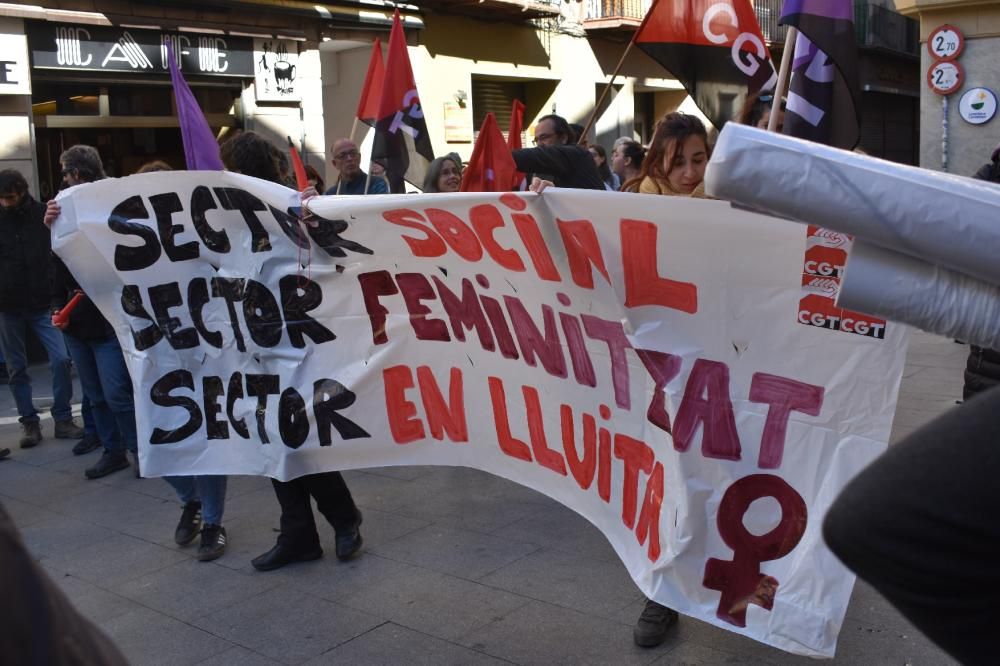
(557, 158)
(25, 282)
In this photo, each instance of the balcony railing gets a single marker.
(875, 26)
(881, 28)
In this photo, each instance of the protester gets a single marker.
(444, 174)
(203, 497)
(982, 370)
(626, 161)
(919, 525)
(315, 180)
(25, 286)
(577, 130)
(40, 625)
(674, 166)
(92, 342)
(154, 166)
(611, 181)
(250, 154)
(677, 157)
(756, 111)
(347, 161)
(556, 158)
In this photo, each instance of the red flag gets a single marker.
(402, 144)
(491, 167)
(301, 179)
(714, 47)
(514, 138)
(371, 92)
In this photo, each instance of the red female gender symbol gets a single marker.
(740, 579)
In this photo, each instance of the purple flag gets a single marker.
(201, 150)
(824, 95)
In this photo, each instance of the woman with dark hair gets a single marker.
(444, 174)
(626, 160)
(312, 175)
(677, 157)
(611, 181)
(250, 154)
(756, 111)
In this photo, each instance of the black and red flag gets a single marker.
(371, 92)
(713, 47)
(402, 144)
(824, 92)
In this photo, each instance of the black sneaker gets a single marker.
(189, 524)
(213, 543)
(348, 541)
(108, 464)
(4, 453)
(655, 620)
(89, 442)
(32, 434)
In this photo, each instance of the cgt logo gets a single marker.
(846, 322)
(411, 109)
(724, 14)
(823, 268)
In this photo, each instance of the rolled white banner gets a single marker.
(902, 288)
(945, 220)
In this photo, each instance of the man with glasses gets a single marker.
(352, 180)
(25, 289)
(557, 158)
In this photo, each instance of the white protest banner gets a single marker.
(637, 358)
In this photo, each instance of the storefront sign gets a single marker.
(275, 70)
(14, 77)
(978, 106)
(103, 49)
(945, 77)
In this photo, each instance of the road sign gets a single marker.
(945, 43)
(945, 77)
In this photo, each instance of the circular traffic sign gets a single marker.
(945, 43)
(977, 106)
(945, 77)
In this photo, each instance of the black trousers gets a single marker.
(333, 499)
(922, 525)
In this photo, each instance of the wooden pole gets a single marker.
(614, 75)
(604, 93)
(354, 129)
(783, 75)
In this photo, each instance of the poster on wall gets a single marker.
(275, 70)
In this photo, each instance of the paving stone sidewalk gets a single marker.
(459, 567)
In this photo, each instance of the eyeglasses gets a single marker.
(346, 154)
(539, 138)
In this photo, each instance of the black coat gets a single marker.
(85, 321)
(25, 258)
(566, 165)
(982, 370)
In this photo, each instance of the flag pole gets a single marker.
(614, 75)
(354, 129)
(783, 75)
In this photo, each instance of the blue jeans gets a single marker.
(13, 328)
(106, 383)
(209, 490)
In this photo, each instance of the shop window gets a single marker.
(49, 99)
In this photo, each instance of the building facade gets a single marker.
(946, 138)
(95, 72)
